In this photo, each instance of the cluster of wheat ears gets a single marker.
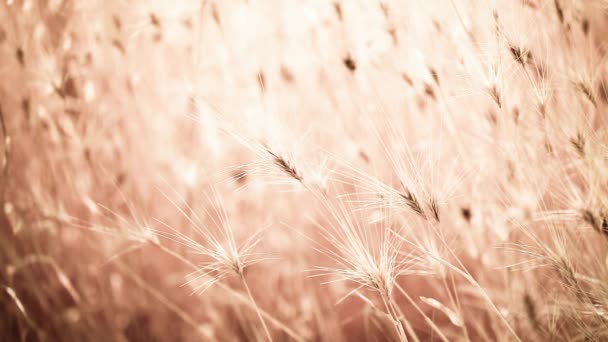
(288, 170)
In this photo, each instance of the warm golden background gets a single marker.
(304, 170)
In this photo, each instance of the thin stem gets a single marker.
(402, 318)
(11, 292)
(429, 321)
(257, 309)
(160, 297)
(239, 296)
(6, 138)
(455, 301)
(395, 319)
(466, 275)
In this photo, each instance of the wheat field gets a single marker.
(304, 170)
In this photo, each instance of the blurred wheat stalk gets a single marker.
(304, 170)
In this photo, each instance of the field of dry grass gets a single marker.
(288, 170)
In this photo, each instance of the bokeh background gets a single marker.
(471, 134)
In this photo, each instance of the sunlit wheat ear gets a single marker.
(419, 187)
(585, 76)
(583, 203)
(368, 265)
(374, 194)
(585, 86)
(133, 228)
(277, 162)
(423, 169)
(216, 241)
(576, 289)
(518, 48)
(367, 255)
(269, 142)
(481, 71)
(556, 253)
(279, 170)
(132, 225)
